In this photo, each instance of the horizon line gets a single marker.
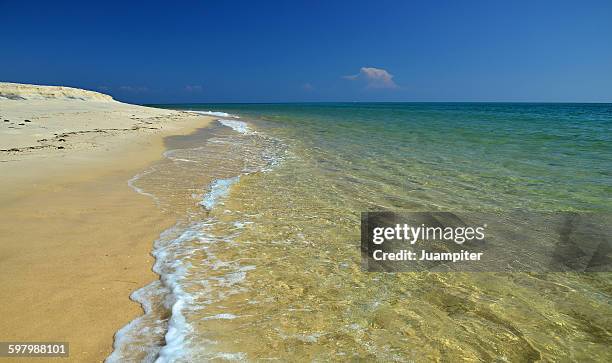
(380, 102)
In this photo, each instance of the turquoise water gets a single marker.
(264, 261)
(455, 155)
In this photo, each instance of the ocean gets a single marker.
(264, 260)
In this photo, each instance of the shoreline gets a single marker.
(75, 238)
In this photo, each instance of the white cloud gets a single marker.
(375, 77)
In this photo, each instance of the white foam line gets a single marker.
(239, 357)
(214, 113)
(138, 190)
(178, 327)
(238, 126)
(123, 335)
(222, 316)
(219, 189)
(170, 155)
(173, 269)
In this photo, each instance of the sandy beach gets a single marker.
(74, 237)
(306, 181)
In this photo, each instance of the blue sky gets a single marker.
(285, 51)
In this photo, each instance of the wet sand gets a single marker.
(74, 237)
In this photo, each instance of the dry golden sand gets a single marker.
(74, 237)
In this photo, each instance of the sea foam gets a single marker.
(132, 184)
(177, 290)
(126, 336)
(238, 126)
(218, 189)
(214, 113)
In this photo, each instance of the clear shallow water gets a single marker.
(264, 260)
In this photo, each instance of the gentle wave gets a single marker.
(173, 270)
(238, 126)
(219, 189)
(169, 250)
(127, 337)
(214, 113)
(132, 184)
(155, 336)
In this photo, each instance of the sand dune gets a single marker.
(18, 91)
(38, 119)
